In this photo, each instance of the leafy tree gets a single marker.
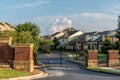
(45, 45)
(28, 33)
(118, 30)
(117, 44)
(56, 43)
(107, 45)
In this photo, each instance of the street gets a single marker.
(69, 71)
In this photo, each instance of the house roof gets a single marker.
(72, 32)
(109, 33)
(82, 37)
(55, 34)
(91, 33)
(6, 27)
(98, 39)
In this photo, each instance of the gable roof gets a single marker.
(6, 27)
(55, 34)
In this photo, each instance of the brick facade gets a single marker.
(113, 57)
(24, 57)
(19, 57)
(24, 52)
(92, 59)
(6, 51)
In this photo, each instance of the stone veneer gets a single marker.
(113, 57)
(24, 57)
(92, 59)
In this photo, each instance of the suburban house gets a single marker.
(57, 35)
(72, 39)
(93, 40)
(6, 27)
(111, 34)
(67, 38)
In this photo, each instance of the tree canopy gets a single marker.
(118, 30)
(28, 33)
(118, 35)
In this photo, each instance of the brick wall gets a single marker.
(92, 54)
(92, 58)
(113, 54)
(113, 58)
(23, 53)
(23, 57)
(6, 53)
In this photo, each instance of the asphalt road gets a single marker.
(68, 70)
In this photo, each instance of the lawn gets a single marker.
(104, 70)
(13, 73)
(102, 57)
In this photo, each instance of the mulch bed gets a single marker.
(36, 71)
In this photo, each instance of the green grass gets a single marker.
(74, 55)
(13, 73)
(79, 62)
(104, 70)
(102, 57)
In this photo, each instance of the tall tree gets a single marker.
(56, 43)
(28, 33)
(107, 45)
(117, 44)
(118, 30)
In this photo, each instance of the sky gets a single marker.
(55, 15)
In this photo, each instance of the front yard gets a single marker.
(13, 73)
(101, 58)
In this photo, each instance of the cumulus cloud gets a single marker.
(60, 24)
(84, 21)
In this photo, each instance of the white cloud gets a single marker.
(60, 24)
(95, 21)
(85, 21)
(30, 4)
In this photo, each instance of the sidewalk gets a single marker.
(41, 75)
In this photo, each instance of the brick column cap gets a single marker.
(114, 51)
(6, 40)
(90, 51)
(24, 45)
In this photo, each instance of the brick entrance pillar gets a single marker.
(92, 59)
(113, 58)
(6, 51)
(24, 57)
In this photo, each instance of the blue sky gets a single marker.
(54, 15)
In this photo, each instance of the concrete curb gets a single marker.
(41, 75)
(94, 70)
(103, 72)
